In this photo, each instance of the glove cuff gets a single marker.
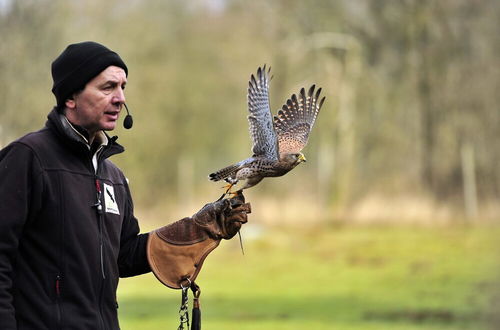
(176, 252)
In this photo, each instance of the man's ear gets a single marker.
(70, 102)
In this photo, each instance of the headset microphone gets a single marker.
(128, 121)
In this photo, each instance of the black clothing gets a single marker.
(66, 232)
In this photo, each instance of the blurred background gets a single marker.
(401, 189)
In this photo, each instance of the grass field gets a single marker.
(337, 277)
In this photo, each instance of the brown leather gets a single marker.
(172, 263)
(177, 251)
(223, 219)
(234, 219)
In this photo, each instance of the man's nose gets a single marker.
(119, 96)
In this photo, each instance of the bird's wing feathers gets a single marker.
(263, 136)
(295, 120)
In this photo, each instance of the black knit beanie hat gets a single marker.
(77, 65)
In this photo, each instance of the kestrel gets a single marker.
(277, 141)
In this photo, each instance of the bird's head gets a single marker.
(301, 158)
(294, 158)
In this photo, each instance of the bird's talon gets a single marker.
(228, 188)
(233, 194)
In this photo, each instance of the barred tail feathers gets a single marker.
(224, 173)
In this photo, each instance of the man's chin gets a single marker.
(109, 126)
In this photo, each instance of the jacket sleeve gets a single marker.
(132, 259)
(20, 180)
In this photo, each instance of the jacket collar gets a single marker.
(79, 133)
(77, 138)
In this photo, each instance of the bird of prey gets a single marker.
(277, 141)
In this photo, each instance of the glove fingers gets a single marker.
(233, 225)
(243, 208)
(221, 206)
(238, 199)
(238, 218)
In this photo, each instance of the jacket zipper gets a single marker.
(100, 215)
(58, 299)
(98, 206)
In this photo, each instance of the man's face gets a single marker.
(97, 106)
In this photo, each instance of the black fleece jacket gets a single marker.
(67, 232)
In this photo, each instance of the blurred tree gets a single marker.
(411, 86)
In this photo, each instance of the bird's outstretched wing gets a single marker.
(260, 120)
(295, 120)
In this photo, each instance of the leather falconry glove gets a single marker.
(176, 252)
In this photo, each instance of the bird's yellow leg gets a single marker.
(228, 188)
(228, 191)
(233, 194)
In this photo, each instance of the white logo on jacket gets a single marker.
(110, 200)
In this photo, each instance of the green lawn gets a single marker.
(337, 277)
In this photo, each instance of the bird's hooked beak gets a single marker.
(302, 158)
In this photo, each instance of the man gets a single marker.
(67, 226)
